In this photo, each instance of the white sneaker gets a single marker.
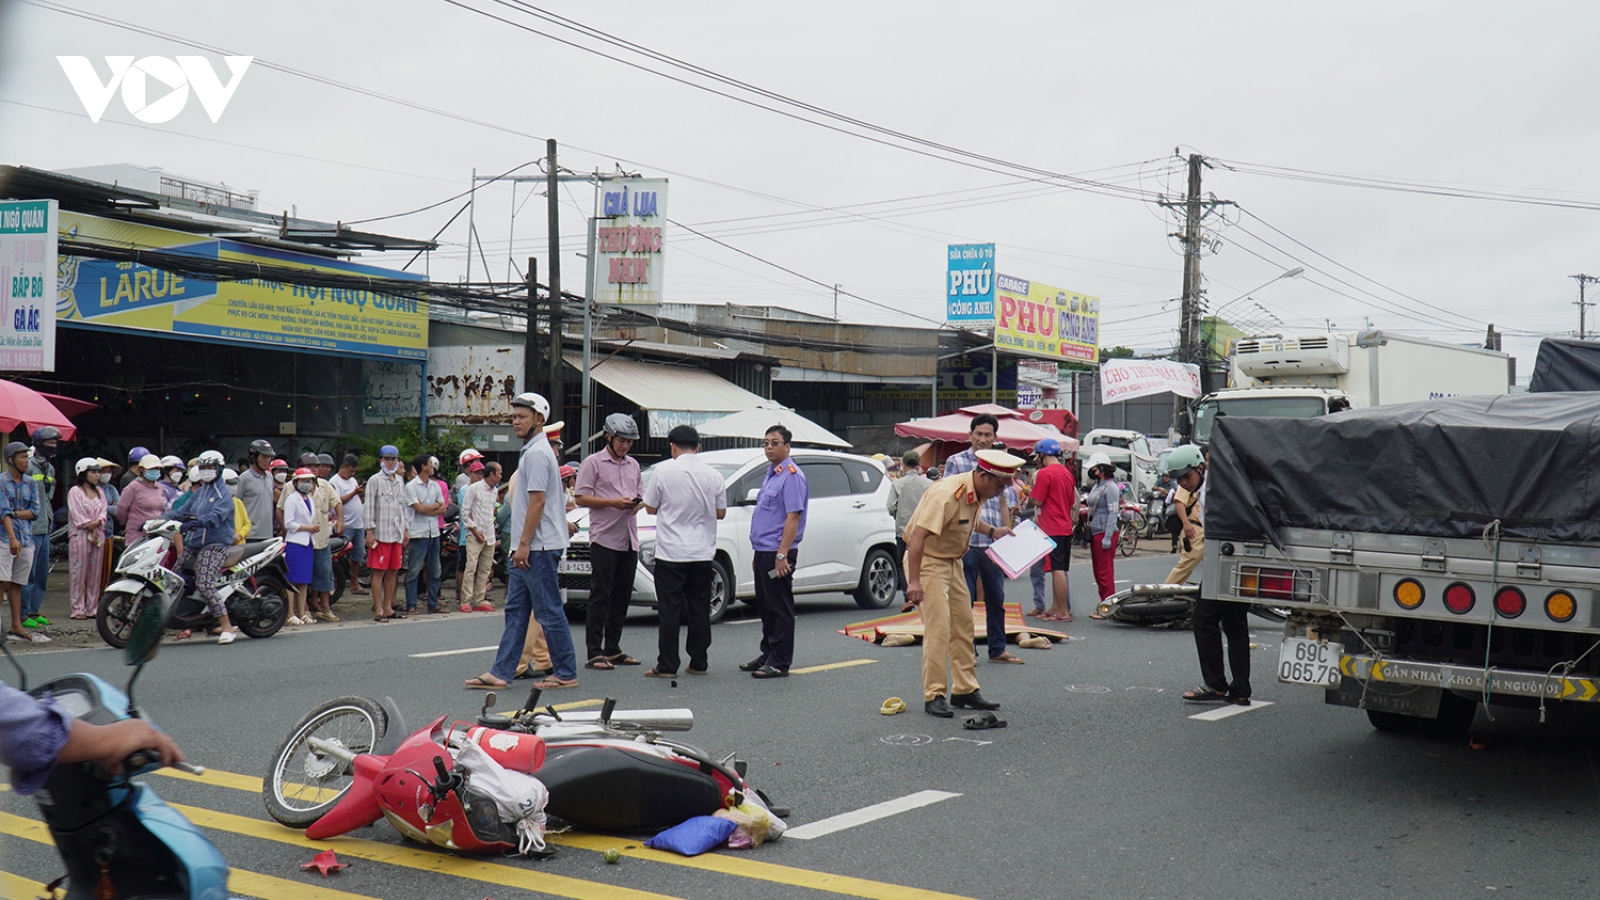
(39, 638)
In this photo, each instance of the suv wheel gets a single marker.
(722, 588)
(879, 580)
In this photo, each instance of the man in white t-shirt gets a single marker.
(351, 494)
(687, 498)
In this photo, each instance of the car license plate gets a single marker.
(574, 567)
(1302, 661)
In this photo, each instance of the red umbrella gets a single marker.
(21, 405)
(71, 407)
(1015, 432)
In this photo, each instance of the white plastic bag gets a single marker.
(519, 798)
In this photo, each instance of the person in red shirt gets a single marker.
(1055, 494)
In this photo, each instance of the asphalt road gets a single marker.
(1102, 785)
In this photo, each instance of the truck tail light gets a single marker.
(1459, 598)
(1560, 606)
(1249, 582)
(1409, 593)
(1509, 602)
(1266, 583)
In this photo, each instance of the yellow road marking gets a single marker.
(250, 884)
(421, 860)
(246, 783)
(17, 886)
(838, 665)
(748, 868)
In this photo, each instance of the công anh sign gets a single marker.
(1039, 320)
(1125, 379)
(629, 250)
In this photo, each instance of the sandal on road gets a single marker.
(1007, 658)
(486, 683)
(622, 659)
(599, 662)
(1205, 695)
(555, 684)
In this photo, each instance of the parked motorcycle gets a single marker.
(115, 836)
(1164, 604)
(350, 762)
(253, 590)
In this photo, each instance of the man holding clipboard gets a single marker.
(936, 541)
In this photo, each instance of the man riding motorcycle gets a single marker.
(208, 533)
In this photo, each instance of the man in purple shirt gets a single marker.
(776, 527)
(37, 734)
(608, 486)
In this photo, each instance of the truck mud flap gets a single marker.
(1401, 699)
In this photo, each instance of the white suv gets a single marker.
(848, 544)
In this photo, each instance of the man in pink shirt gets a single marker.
(1055, 494)
(608, 486)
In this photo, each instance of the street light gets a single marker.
(1295, 272)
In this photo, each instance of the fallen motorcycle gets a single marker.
(115, 836)
(350, 762)
(1163, 604)
(253, 588)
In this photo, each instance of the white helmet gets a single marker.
(150, 461)
(229, 476)
(1098, 459)
(194, 474)
(468, 455)
(168, 462)
(85, 464)
(212, 458)
(533, 401)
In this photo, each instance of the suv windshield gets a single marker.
(1207, 413)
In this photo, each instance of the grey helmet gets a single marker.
(622, 425)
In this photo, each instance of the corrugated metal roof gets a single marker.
(657, 386)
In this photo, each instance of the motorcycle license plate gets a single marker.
(574, 567)
(1302, 661)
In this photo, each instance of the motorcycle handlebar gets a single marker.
(141, 759)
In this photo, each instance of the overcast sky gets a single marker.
(1453, 96)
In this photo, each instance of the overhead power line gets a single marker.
(1395, 184)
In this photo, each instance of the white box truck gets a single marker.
(1314, 374)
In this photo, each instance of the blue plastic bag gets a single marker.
(693, 837)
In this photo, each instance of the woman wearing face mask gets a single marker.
(299, 521)
(1104, 507)
(108, 484)
(142, 500)
(86, 524)
(207, 534)
(171, 474)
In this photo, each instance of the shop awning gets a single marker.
(671, 395)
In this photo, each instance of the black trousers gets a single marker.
(775, 603)
(900, 563)
(683, 596)
(610, 588)
(1213, 619)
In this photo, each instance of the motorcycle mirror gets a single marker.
(606, 710)
(488, 704)
(145, 640)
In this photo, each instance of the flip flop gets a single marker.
(652, 673)
(1205, 695)
(892, 706)
(555, 684)
(1007, 658)
(483, 684)
(622, 659)
(599, 662)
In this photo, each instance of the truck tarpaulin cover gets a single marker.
(1565, 365)
(1440, 468)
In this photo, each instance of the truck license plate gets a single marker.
(574, 567)
(1302, 661)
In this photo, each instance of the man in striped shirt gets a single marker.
(977, 564)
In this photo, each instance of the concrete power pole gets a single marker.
(1582, 304)
(558, 392)
(532, 368)
(1189, 329)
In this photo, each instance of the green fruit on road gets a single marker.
(613, 855)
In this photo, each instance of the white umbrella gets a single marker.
(754, 422)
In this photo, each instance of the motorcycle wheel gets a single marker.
(341, 575)
(302, 785)
(116, 615)
(267, 626)
(1129, 541)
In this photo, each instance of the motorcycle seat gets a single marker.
(337, 542)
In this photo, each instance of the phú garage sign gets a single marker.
(628, 241)
(1039, 320)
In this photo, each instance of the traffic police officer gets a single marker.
(936, 540)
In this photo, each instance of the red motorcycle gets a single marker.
(345, 766)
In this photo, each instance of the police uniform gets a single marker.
(948, 512)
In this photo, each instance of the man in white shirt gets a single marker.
(423, 547)
(477, 521)
(351, 494)
(687, 498)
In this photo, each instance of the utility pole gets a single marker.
(836, 303)
(1189, 328)
(1582, 304)
(558, 394)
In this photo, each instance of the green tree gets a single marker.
(446, 443)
